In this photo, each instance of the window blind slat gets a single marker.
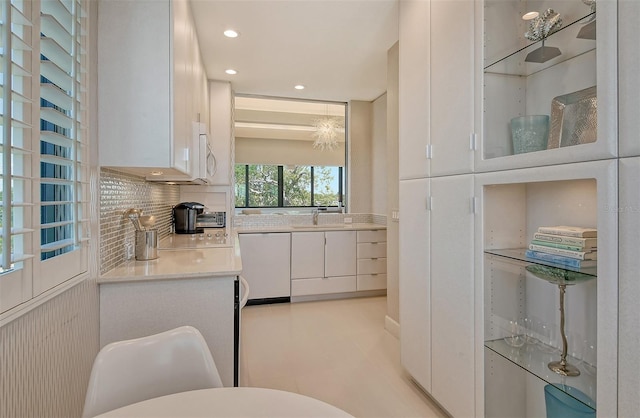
(56, 245)
(58, 10)
(56, 139)
(56, 117)
(18, 18)
(55, 95)
(53, 29)
(56, 75)
(55, 53)
(52, 159)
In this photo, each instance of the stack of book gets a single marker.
(570, 246)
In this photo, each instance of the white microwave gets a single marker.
(205, 160)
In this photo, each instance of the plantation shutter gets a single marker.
(64, 171)
(18, 157)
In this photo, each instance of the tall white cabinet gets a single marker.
(436, 206)
(466, 220)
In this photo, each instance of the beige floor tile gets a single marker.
(337, 351)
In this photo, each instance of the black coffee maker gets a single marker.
(184, 217)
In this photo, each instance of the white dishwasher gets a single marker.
(266, 265)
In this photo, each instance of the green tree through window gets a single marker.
(287, 186)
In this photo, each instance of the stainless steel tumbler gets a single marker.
(147, 245)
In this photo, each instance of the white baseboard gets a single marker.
(392, 326)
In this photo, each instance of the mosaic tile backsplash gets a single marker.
(120, 191)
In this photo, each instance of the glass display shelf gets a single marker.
(518, 254)
(534, 358)
(566, 39)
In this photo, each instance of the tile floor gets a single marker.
(337, 351)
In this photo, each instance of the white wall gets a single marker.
(392, 179)
(379, 155)
(285, 152)
(359, 155)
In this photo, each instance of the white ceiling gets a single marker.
(336, 48)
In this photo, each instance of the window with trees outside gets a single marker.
(44, 146)
(288, 186)
(289, 153)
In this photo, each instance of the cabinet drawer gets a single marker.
(372, 265)
(378, 235)
(372, 249)
(305, 287)
(372, 281)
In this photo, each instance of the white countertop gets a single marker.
(183, 263)
(179, 264)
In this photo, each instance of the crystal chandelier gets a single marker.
(326, 133)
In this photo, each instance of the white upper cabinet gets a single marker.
(436, 94)
(522, 77)
(629, 62)
(151, 86)
(413, 94)
(451, 87)
(221, 104)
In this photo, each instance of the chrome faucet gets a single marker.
(315, 216)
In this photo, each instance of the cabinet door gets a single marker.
(307, 255)
(629, 378)
(452, 96)
(340, 253)
(220, 117)
(413, 94)
(182, 131)
(136, 127)
(452, 294)
(266, 264)
(629, 62)
(415, 307)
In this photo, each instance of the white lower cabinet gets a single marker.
(266, 264)
(323, 262)
(415, 301)
(437, 288)
(452, 294)
(372, 260)
(137, 309)
(629, 338)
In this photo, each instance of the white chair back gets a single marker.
(131, 371)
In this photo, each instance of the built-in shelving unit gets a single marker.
(521, 298)
(531, 353)
(566, 39)
(512, 86)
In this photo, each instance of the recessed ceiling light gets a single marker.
(231, 71)
(530, 15)
(230, 33)
(156, 173)
(299, 87)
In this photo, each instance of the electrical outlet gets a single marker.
(128, 250)
(348, 220)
